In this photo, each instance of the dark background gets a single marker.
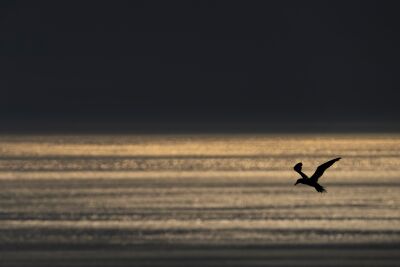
(203, 66)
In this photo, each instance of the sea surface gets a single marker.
(198, 200)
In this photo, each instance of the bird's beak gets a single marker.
(296, 183)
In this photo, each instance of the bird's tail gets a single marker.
(320, 188)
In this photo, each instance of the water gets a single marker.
(216, 200)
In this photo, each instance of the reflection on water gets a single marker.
(219, 190)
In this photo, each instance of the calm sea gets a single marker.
(185, 200)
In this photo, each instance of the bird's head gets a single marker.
(299, 181)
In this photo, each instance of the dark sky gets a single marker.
(204, 62)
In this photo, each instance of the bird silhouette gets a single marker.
(313, 180)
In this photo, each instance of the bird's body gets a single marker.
(313, 180)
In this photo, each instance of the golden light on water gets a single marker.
(200, 190)
(206, 145)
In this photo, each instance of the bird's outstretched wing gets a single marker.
(321, 168)
(297, 168)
